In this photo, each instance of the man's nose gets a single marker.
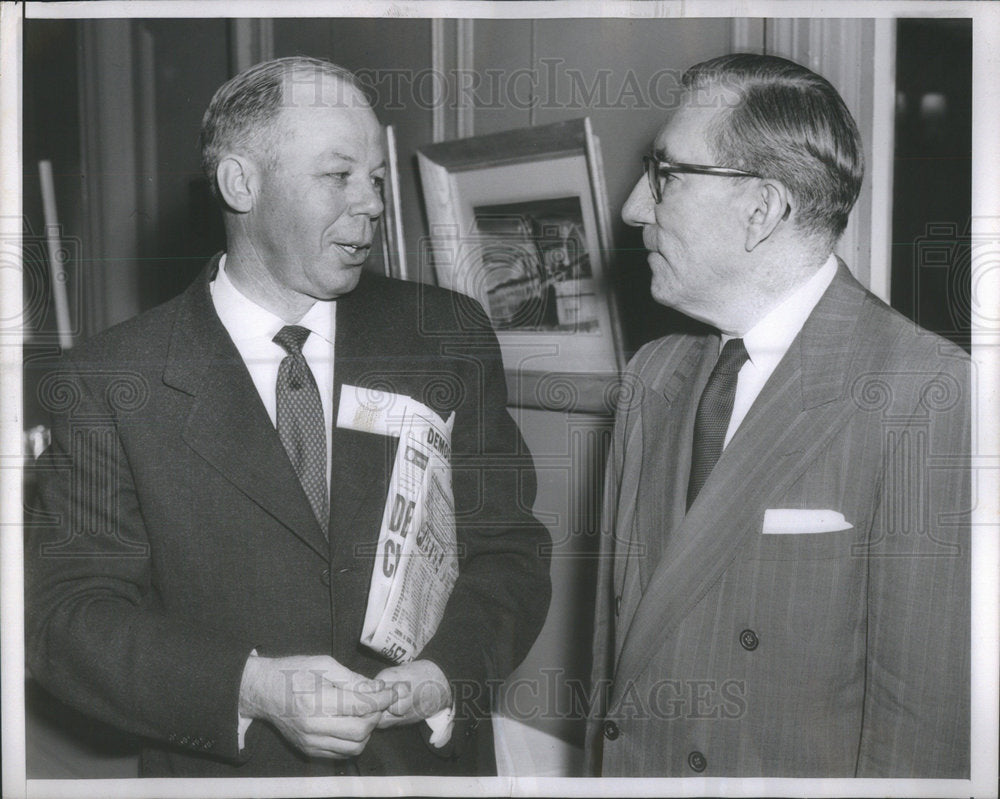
(368, 200)
(638, 208)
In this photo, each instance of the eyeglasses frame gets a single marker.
(655, 168)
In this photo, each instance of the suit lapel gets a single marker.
(667, 432)
(647, 510)
(361, 462)
(228, 425)
(800, 409)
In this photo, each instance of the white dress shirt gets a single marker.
(768, 341)
(252, 329)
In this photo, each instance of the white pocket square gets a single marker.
(797, 521)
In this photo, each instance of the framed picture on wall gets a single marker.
(393, 252)
(519, 221)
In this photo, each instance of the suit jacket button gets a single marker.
(749, 640)
(611, 731)
(697, 762)
(324, 577)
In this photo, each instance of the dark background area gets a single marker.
(932, 183)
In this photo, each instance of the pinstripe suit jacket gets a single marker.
(721, 650)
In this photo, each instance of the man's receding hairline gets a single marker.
(277, 124)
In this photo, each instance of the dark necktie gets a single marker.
(300, 420)
(712, 419)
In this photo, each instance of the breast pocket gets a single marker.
(806, 545)
(825, 514)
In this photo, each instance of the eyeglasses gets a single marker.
(656, 170)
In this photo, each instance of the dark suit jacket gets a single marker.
(721, 650)
(180, 538)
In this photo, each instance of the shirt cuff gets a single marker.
(441, 723)
(241, 732)
(243, 723)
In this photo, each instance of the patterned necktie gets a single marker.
(300, 420)
(712, 419)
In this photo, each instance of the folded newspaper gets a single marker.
(416, 563)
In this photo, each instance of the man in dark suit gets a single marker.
(785, 582)
(204, 578)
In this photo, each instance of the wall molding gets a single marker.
(452, 58)
(147, 160)
(110, 159)
(250, 42)
(748, 35)
(882, 161)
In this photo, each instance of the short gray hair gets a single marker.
(242, 113)
(790, 124)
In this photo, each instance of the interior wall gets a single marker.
(51, 104)
(180, 64)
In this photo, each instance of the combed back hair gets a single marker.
(788, 123)
(243, 112)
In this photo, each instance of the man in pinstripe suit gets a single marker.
(784, 587)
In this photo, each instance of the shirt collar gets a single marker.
(770, 338)
(245, 319)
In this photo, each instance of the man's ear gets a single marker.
(770, 205)
(235, 177)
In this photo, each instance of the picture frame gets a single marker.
(519, 220)
(391, 230)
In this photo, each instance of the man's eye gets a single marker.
(341, 177)
(378, 182)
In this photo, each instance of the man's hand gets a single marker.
(421, 691)
(320, 706)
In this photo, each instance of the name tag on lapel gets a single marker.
(803, 521)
